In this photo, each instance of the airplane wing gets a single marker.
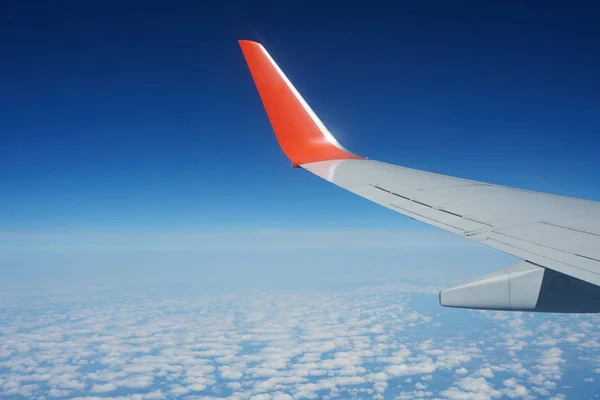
(558, 238)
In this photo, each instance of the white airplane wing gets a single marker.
(558, 238)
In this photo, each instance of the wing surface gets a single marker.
(558, 233)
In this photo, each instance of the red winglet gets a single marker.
(300, 133)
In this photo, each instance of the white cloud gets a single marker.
(486, 372)
(156, 395)
(99, 388)
(472, 388)
(366, 343)
(136, 382)
(558, 397)
(420, 386)
(230, 373)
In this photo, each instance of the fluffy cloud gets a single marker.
(103, 388)
(373, 342)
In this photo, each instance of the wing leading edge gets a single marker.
(557, 237)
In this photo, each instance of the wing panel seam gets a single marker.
(537, 254)
(431, 219)
(571, 229)
(542, 245)
(432, 207)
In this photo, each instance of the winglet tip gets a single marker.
(300, 133)
(247, 43)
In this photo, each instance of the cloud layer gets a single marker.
(390, 341)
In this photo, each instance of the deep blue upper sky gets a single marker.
(141, 115)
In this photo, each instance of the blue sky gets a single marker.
(142, 117)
